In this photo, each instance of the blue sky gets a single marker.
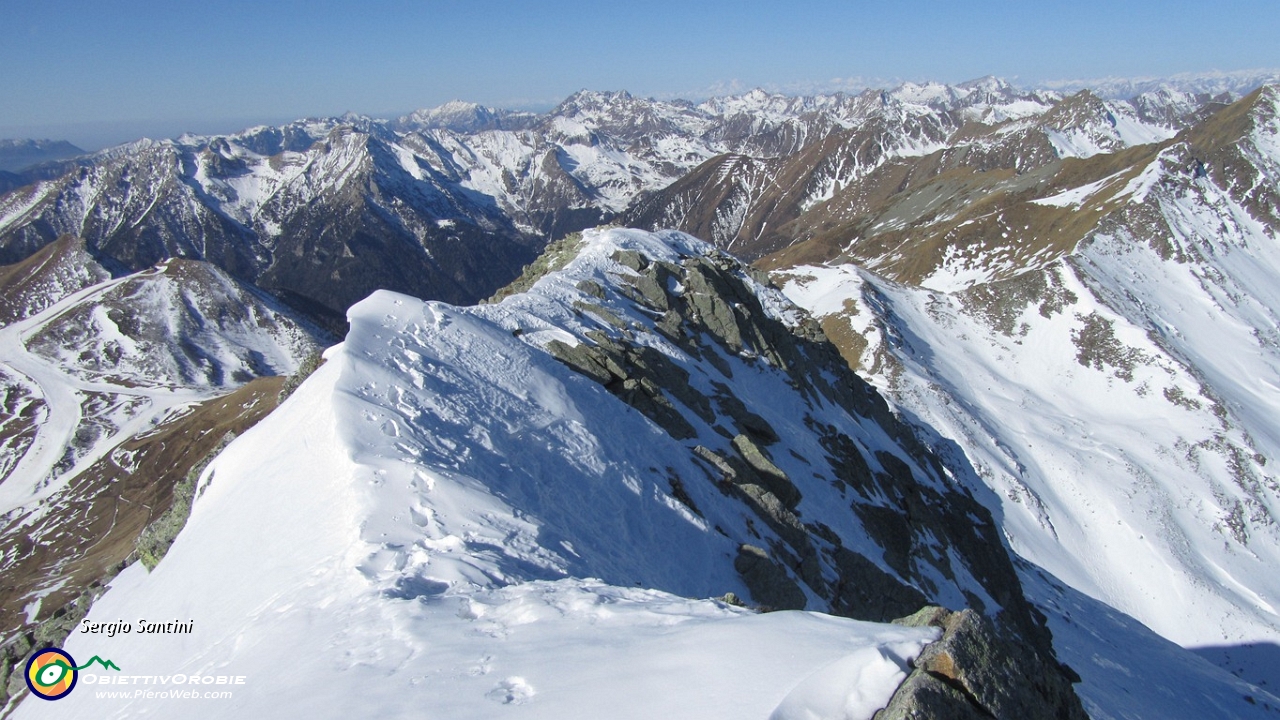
(99, 71)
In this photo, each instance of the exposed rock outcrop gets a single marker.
(677, 339)
(973, 671)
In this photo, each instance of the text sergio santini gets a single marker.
(120, 627)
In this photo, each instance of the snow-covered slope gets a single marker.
(111, 389)
(513, 503)
(183, 324)
(299, 598)
(1121, 401)
(103, 362)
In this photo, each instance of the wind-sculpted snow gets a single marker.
(438, 488)
(452, 515)
(470, 400)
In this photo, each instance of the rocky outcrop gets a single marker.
(973, 671)
(928, 537)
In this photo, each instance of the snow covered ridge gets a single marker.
(513, 504)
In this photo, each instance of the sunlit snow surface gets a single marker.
(1138, 469)
(418, 530)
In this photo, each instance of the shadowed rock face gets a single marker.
(342, 218)
(930, 533)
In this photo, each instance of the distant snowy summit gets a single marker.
(1234, 84)
(465, 117)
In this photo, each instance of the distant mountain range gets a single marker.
(20, 154)
(450, 203)
(1238, 83)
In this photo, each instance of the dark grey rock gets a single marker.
(770, 475)
(976, 671)
(768, 582)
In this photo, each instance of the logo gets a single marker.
(52, 673)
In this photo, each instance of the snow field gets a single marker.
(443, 519)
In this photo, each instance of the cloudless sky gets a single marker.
(99, 71)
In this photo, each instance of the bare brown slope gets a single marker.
(739, 203)
(915, 217)
(974, 207)
(906, 220)
(55, 271)
(1222, 147)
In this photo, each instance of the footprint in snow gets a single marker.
(484, 667)
(512, 691)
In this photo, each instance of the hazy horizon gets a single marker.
(103, 72)
(93, 136)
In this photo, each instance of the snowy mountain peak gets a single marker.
(987, 84)
(465, 117)
(589, 98)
